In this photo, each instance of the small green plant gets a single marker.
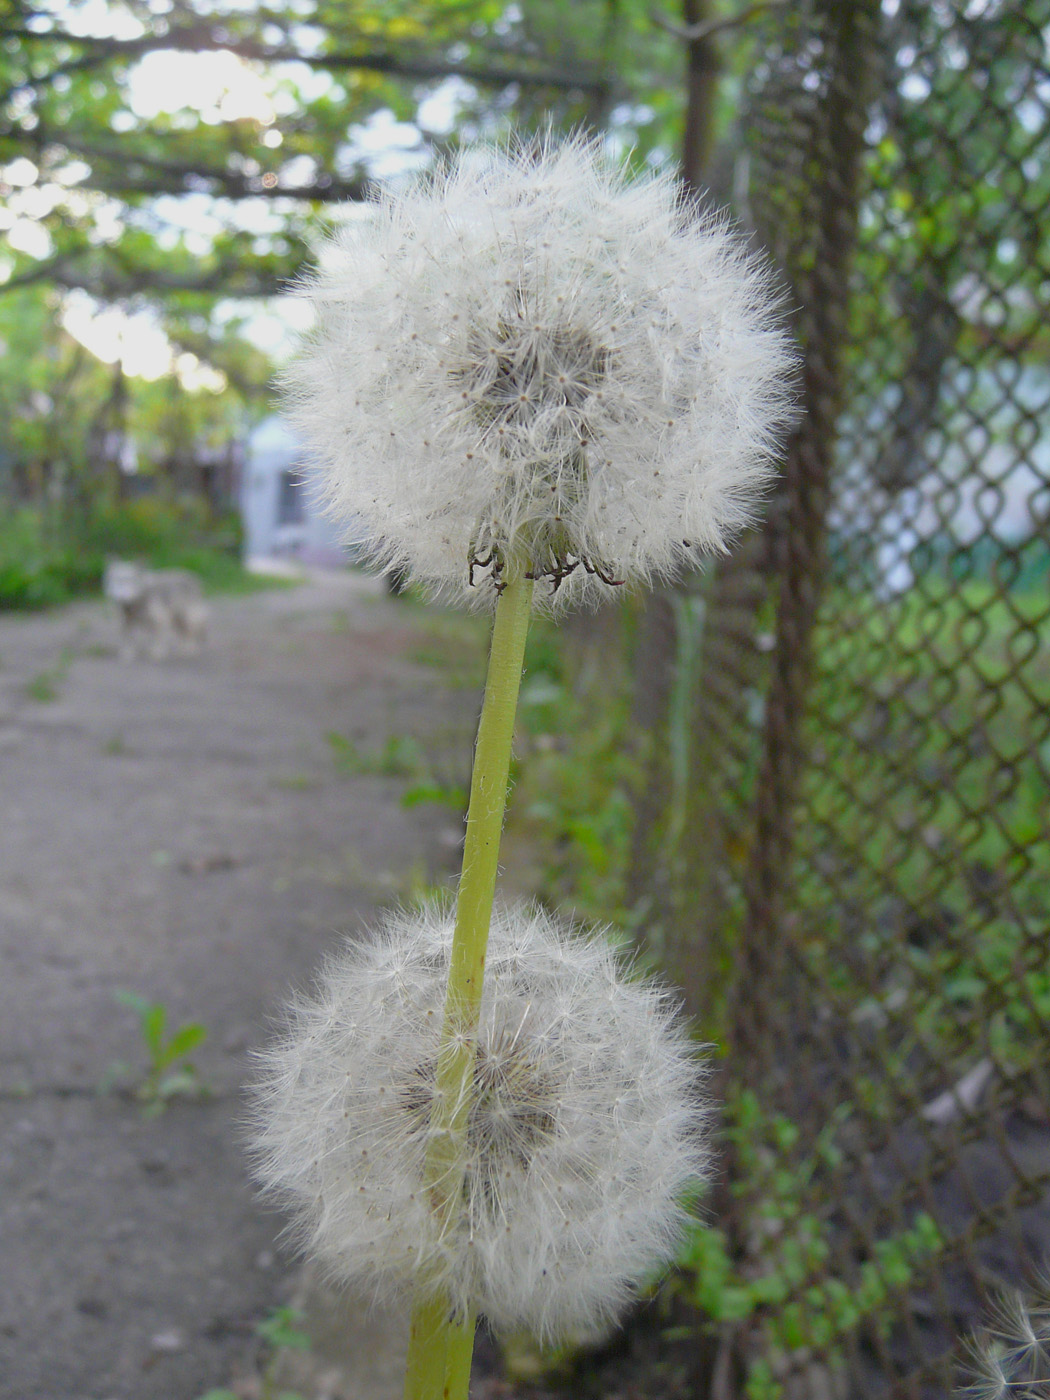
(280, 1330)
(445, 794)
(170, 1072)
(43, 687)
(400, 756)
(787, 1287)
(577, 773)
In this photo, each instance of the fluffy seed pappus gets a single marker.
(527, 360)
(585, 1131)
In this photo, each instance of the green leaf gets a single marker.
(792, 1328)
(760, 1382)
(420, 793)
(735, 1304)
(281, 1329)
(185, 1039)
(154, 1019)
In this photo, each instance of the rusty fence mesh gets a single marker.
(863, 858)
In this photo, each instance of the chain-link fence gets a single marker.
(863, 856)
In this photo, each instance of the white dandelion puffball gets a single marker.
(585, 1130)
(527, 356)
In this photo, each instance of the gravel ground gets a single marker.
(181, 829)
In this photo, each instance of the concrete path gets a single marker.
(181, 829)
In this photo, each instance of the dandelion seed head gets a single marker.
(1011, 1355)
(506, 349)
(584, 1133)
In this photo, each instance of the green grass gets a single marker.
(927, 808)
(576, 771)
(47, 560)
(925, 804)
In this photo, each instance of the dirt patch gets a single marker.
(179, 829)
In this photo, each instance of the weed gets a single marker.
(43, 687)
(447, 795)
(170, 1070)
(783, 1282)
(399, 757)
(45, 560)
(575, 798)
(281, 1328)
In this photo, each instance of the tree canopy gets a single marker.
(182, 147)
(177, 158)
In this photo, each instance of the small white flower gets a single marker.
(584, 1133)
(529, 355)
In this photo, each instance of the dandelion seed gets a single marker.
(587, 309)
(584, 1128)
(1012, 1356)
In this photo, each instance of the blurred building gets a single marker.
(281, 515)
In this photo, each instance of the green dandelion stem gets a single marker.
(427, 1349)
(458, 1357)
(440, 1345)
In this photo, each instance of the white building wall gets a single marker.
(281, 521)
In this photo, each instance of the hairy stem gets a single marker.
(440, 1345)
